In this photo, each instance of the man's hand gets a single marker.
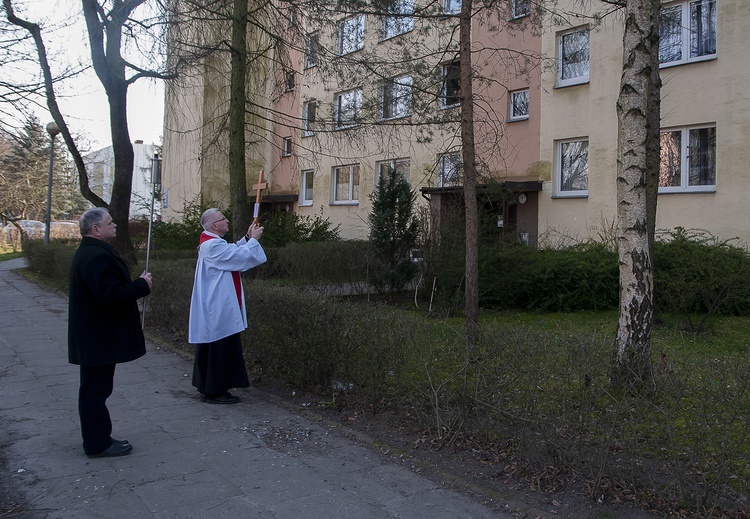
(147, 277)
(254, 231)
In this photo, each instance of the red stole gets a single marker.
(235, 275)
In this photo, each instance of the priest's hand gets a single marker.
(254, 231)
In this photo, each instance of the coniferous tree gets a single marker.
(393, 232)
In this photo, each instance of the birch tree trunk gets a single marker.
(638, 116)
(471, 317)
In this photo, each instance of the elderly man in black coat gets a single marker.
(104, 327)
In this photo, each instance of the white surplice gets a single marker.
(215, 312)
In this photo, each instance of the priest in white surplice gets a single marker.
(217, 308)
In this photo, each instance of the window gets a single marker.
(308, 118)
(451, 84)
(287, 147)
(688, 160)
(451, 6)
(346, 184)
(289, 82)
(351, 35)
(519, 105)
(519, 8)
(573, 167)
(396, 97)
(306, 189)
(688, 32)
(398, 18)
(398, 165)
(449, 170)
(312, 46)
(573, 57)
(346, 109)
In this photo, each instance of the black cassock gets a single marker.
(219, 366)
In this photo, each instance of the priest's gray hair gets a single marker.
(90, 218)
(206, 216)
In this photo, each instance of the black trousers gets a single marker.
(96, 426)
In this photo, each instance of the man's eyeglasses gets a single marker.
(223, 219)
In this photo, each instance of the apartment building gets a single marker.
(100, 167)
(705, 121)
(359, 93)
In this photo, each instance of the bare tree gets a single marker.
(471, 310)
(638, 112)
(107, 30)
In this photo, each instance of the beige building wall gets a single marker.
(708, 92)
(507, 151)
(183, 122)
(196, 151)
(368, 144)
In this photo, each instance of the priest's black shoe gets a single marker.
(229, 398)
(114, 450)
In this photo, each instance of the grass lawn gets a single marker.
(5, 256)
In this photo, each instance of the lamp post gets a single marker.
(53, 130)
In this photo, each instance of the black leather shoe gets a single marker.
(229, 398)
(120, 442)
(114, 450)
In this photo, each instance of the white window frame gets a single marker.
(447, 82)
(307, 181)
(350, 35)
(347, 109)
(402, 165)
(286, 147)
(519, 9)
(396, 98)
(560, 188)
(684, 27)
(684, 160)
(312, 50)
(398, 20)
(451, 6)
(563, 41)
(308, 123)
(450, 169)
(517, 99)
(351, 194)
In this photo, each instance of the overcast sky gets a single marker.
(83, 101)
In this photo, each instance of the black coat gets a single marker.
(104, 325)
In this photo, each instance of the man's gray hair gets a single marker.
(206, 216)
(90, 218)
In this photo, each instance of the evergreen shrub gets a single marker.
(51, 261)
(698, 273)
(582, 277)
(318, 263)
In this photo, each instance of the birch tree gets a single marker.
(638, 113)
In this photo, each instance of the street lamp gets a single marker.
(53, 130)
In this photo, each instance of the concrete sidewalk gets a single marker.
(190, 459)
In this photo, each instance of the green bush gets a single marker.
(698, 273)
(318, 263)
(323, 343)
(52, 261)
(583, 277)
